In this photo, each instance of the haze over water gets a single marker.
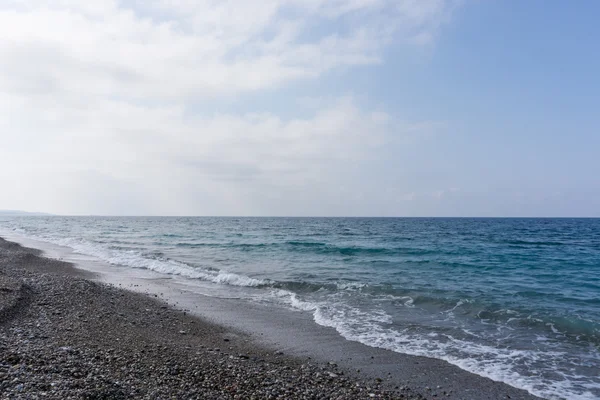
(516, 300)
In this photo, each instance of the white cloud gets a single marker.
(175, 49)
(95, 101)
(234, 159)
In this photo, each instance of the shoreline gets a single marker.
(245, 347)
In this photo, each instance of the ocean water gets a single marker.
(516, 300)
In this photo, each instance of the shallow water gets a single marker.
(517, 300)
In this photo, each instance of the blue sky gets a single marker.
(317, 107)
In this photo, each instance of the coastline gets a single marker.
(134, 345)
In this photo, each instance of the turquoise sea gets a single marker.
(516, 300)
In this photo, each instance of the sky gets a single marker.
(300, 107)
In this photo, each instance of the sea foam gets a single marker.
(135, 259)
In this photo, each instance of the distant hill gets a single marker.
(15, 213)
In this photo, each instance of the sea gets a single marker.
(515, 300)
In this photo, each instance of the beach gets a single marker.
(324, 199)
(63, 334)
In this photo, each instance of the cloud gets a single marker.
(172, 50)
(121, 147)
(438, 194)
(98, 102)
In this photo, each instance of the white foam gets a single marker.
(230, 278)
(410, 302)
(291, 299)
(135, 259)
(350, 285)
(552, 327)
(372, 327)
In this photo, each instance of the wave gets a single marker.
(533, 243)
(374, 327)
(152, 262)
(314, 247)
(222, 245)
(159, 264)
(328, 248)
(305, 244)
(571, 327)
(313, 287)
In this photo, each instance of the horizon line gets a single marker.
(40, 214)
